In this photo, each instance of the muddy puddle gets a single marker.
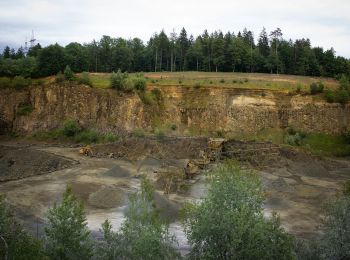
(296, 185)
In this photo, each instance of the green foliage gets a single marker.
(342, 96)
(71, 131)
(138, 133)
(86, 136)
(330, 96)
(20, 82)
(229, 222)
(51, 60)
(15, 243)
(24, 109)
(299, 86)
(316, 88)
(85, 79)
(59, 77)
(67, 234)
(117, 80)
(142, 235)
(140, 83)
(5, 82)
(68, 74)
(336, 224)
(159, 133)
(295, 140)
(347, 136)
(128, 85)
(327, 145)
(110, 138)
(222, 81)
(344, 83)
(70, 128)
(173, 127)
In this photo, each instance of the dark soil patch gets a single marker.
(21, 162)
(159, 148)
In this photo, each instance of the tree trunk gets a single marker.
(155, 64)
(160, 62)
(171, 61)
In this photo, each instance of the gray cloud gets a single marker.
(326, 23)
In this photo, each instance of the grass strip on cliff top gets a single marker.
(221, 79)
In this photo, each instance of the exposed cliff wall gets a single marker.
(202, 110)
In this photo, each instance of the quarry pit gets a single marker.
(34, 176)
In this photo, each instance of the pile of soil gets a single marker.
(21, 162)
(160, 148)
(107, 197)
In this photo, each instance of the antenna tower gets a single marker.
(32, 40)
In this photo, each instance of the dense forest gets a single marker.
(230, 52)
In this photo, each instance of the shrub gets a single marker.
(173, 127)
(316, 88)
(20, 82)
(330, 96)
(211, 82)
(320, 87)
(59, 77)
(140, 84)
(313, 88)
(128, 85)
(85, 79)
(87, 136)
(294, 140)
(70, 128)
(5, 82)
(117, 79)
(159, 133)
(24, 109)
(341, 96)
(347, 137)
(298, 90)
(138, 133)
(246, 80)
(197, 85)
(234, 81)
(344, 83)
(68, 73)
(110, 138)
(222, 81)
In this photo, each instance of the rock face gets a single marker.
(195, 110)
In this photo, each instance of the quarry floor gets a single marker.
(296, 186)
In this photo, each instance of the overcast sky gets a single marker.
(326, 23)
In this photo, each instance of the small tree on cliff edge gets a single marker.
(67, 235)
(68, 73)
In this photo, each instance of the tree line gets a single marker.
(228, 223)
(229, 52)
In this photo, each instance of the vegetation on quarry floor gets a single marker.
(71, 131)
(316, 143)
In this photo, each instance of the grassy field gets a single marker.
(222, 79)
